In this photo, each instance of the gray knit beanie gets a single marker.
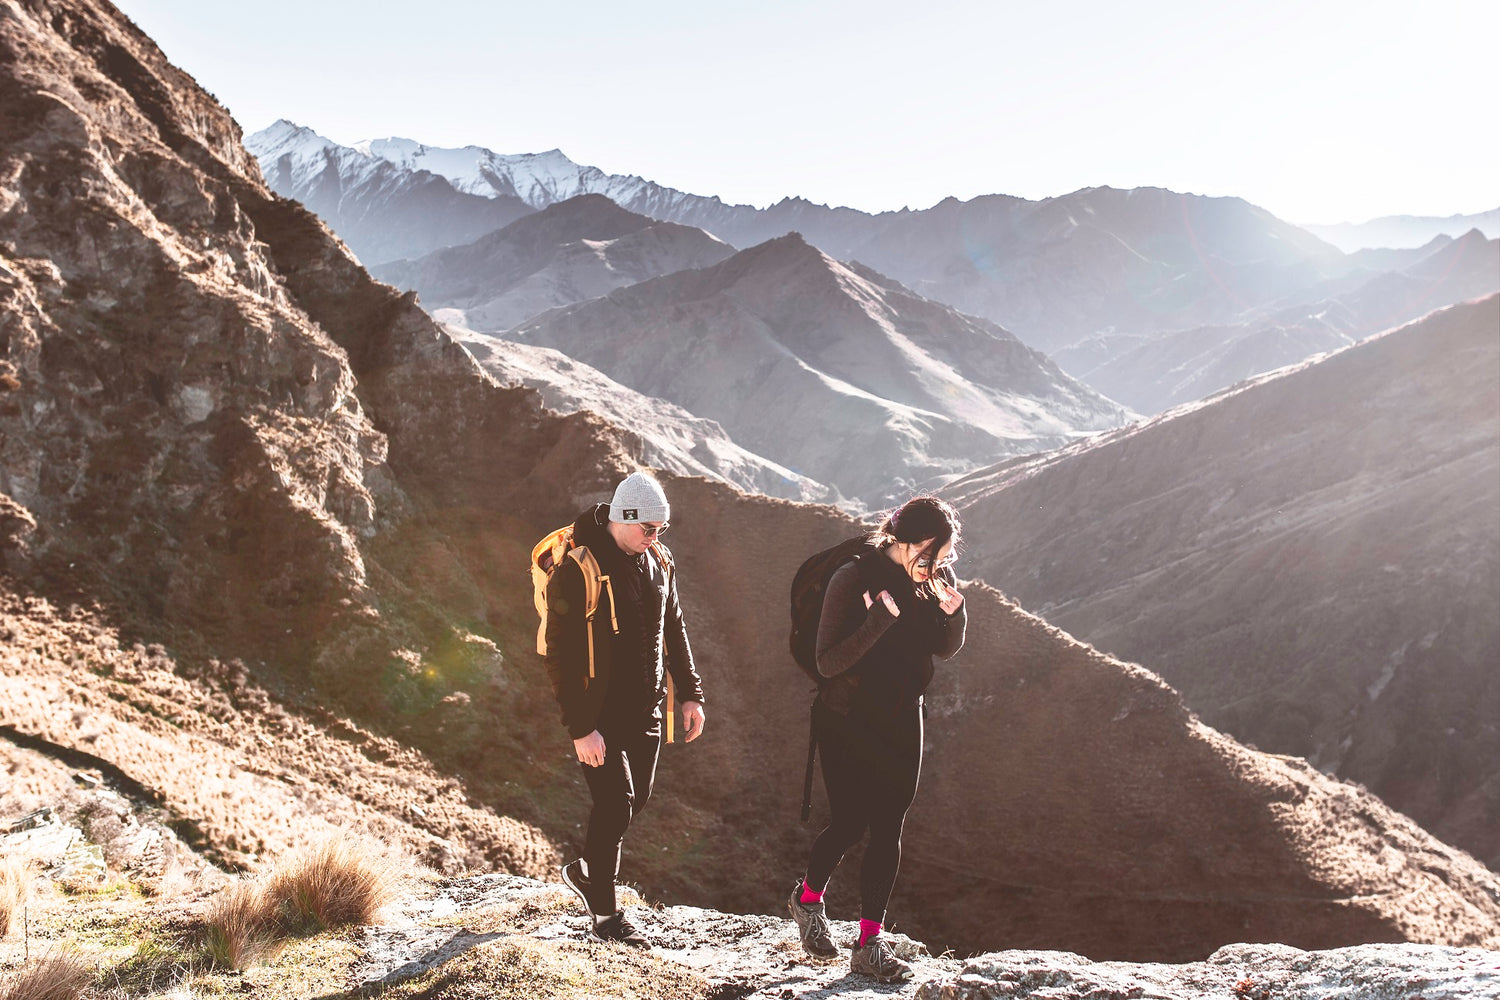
(639, 498)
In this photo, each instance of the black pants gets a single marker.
(619, 787)
(870, 771)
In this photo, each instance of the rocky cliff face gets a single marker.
(223, 442)
(1314, 559)
(202, 389)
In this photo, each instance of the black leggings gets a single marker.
(871, 775)
(619, 787)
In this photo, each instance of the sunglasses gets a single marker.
(653, 530)
(925, 562)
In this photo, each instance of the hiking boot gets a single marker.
(617, 928)
(574, 878)
(812, 924)
(878, 959)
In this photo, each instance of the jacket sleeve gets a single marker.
(679, 654)
(950, 628)
(848, 630)
(567, 647)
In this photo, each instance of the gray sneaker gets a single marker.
(878, 960)
(812, 924)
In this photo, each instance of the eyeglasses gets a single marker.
(653, 530)
(925, 562)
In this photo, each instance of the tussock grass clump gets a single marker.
(337, 882)
(60, 975)
(238, 930)
(15, 888)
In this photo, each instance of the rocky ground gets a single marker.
(115, 886)
(757, 956)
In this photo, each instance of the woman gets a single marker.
(886, 614)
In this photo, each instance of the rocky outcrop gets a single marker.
(749, 957)
(208, 406)
(1313, 559)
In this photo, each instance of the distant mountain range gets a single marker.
(1160, 296)
(1052, 271)
(1397, 231)
(1312, 559)
(829, 369)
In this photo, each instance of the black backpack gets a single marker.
(808, 587)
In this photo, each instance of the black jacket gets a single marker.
(877, 664)
(629, 682)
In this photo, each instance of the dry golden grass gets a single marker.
(238, 930)
(60, 975)
(337, 882)
(15, 887)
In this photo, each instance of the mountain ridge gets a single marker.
(779, 338)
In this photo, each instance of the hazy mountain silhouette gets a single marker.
(1313, 559)
(1395, 231)
(263, 526)
(574, 250)
(829, 369)
(1152, 373)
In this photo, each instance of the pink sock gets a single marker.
(808, 896)
(867, 930)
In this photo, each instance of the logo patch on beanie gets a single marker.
(630, 514)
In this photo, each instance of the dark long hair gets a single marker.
(919, 519)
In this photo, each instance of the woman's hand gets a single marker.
(890, 602)
(949, 599)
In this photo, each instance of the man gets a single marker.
(615, 715)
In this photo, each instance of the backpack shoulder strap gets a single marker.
(594, 581)
(664, 557)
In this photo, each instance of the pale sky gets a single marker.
(1320, 112)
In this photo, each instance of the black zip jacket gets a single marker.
(629, 682)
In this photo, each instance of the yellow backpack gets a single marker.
(546, 556)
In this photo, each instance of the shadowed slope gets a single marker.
(1314, 558)
(1068, 800)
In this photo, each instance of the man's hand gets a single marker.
(692, 720)
(590, 749)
